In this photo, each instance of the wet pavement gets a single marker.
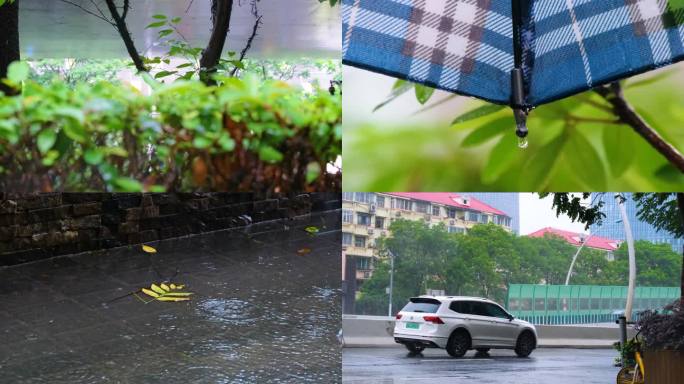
(261, 311)
(558, 366)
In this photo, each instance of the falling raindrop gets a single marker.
(522, 142)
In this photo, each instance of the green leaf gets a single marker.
(619, 143)
(270, 154)
(46, 139)
(313, 171)
(159, 17)
(478, 112)
(651, 79)
(584, 159)
(18, 71)
(399, 88)
(126, 184)
(71, 112)
(489, 130)
(501, 158)
(93, 156)
(539, 167)
(176, 20)
(202, 142)
(165, 32)
(162, 74)
(670, 173)
(423, 93)
(156, 24)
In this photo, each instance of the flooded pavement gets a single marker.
(260, 312)
(545, 365)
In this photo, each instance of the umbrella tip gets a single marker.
(521, 127)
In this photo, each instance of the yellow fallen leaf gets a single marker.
(311, 230)
(148, 249)
(164, 287)
(150, 293)
(304, 251)
(169, 298)
(157, 289)
(179, 294)
(173, 286)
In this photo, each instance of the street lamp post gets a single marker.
(632, 259)
(391, 286)
(574, 258)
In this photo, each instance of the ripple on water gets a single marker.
(228, 311)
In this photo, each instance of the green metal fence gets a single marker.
(577, 304)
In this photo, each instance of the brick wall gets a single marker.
(39, 226)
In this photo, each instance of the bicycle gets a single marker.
(633, 374)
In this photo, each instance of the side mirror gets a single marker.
(510, 317)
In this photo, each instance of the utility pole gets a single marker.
(391, 286)
(632, 259)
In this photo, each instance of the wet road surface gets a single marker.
(261, 312)
(558, 366)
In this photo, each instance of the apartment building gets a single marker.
(368, 216)
(582, 239)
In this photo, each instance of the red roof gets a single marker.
(575, 239)
(450, 199)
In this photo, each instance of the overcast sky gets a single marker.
(536, 213)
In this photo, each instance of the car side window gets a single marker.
(462, 307)
(494, 311)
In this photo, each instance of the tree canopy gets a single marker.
(487, 259)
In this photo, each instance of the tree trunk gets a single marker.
(9, 40)
(212, 53)
(680, 205)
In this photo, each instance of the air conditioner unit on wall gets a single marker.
(452, 222)
(398, 214)
(372, 208)
(370, 231)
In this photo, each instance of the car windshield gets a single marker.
(425, 305)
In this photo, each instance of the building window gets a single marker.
(451, 213)
(453, 229)
(347, 216)
(473, 216)
(422, 207)
(363, 263)
(380, 201)
(363, 197)
(379, 222)
(402, 204)
(484, 219)
(363, 219)
(435, 210)
(348, 196)
(346, 238)
(359, 241)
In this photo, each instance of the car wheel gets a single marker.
(482, 350)
(414, 348)
(525, 344)
(458, 344)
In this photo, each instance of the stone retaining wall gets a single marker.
(39, 226)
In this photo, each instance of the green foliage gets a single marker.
(76, 71)
(245, 134)
(487, 259)
(574, 144)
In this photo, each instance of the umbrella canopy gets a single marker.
(479, 47)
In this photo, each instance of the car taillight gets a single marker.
(399, 316)
(433, 319)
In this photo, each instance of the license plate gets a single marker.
(412, 325)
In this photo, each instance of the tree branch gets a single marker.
(88, 11)
(126, 36)
(247, 47)
(621, 107)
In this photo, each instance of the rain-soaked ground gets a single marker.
(263, 310)
(434, 366)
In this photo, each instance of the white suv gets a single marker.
(458, 324)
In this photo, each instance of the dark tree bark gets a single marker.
(212, 53)
(120, 24)
(9, 40)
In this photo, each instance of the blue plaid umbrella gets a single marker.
(522, 53)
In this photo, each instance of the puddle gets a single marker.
(230, 312)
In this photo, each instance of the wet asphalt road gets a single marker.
(557, 366)
(261, 312)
